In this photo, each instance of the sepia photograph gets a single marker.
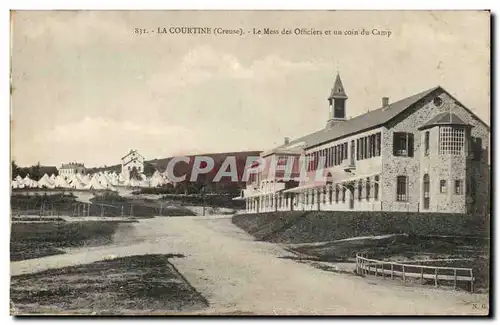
(250, 162)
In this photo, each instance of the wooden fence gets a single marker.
(366, 266)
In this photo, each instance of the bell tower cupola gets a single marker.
(337, 103)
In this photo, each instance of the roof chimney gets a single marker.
(385, 101)
(287, 140)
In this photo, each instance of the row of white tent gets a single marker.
(98, 181)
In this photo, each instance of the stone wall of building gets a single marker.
(438, 167)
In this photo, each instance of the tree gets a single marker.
(36, 171)
(149, 169)
(14, 169)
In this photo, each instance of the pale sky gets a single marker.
(87, 89)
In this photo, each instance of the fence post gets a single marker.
(383, 272)
(392, 271)
(454, 279)
(471, 282)
(404, 278)
(436, 277)
(376, 269)
(422, 273)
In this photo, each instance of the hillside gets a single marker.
(182, 168)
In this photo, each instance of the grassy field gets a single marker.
(123, 286)
(33, 240)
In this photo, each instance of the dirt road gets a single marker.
(238, 275)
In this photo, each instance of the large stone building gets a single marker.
(132, 160)
(71, 169)
(427, 153)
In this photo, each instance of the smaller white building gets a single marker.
(67, 170)
(130, 161)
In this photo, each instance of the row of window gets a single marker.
(333, 156)
(459, 186)
(402, 188)
(368, 146)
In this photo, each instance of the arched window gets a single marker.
(360, 190)
(377, 180)
(330, 195)
(337, 190)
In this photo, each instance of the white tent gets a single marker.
(45, 181)
(52, 177)
(94, 184)
(60, 182)
(14, 184)
(28, 182)
(19, 179)
(156, 180)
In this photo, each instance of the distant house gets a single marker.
(426, 153)
(130, 161)
(71, 169)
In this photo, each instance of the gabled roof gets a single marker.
(360, 123)
(132, 152)
(338, 90)
(443, 119)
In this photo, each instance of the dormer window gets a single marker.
(451, 140)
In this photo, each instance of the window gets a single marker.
(357, 149)
(427, 188)
(343, 194)
(337, 190)
(324, 195)
(426, 141)
(402, 188)
(360, 190)
(403, 144)
(442, 186)
(369, 143)
(476, 147)
(459, 186)
(375, 194)
(368, 189)
(451, 140)
(377, 147)
(330, 195)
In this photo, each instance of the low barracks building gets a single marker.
(424, 153)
